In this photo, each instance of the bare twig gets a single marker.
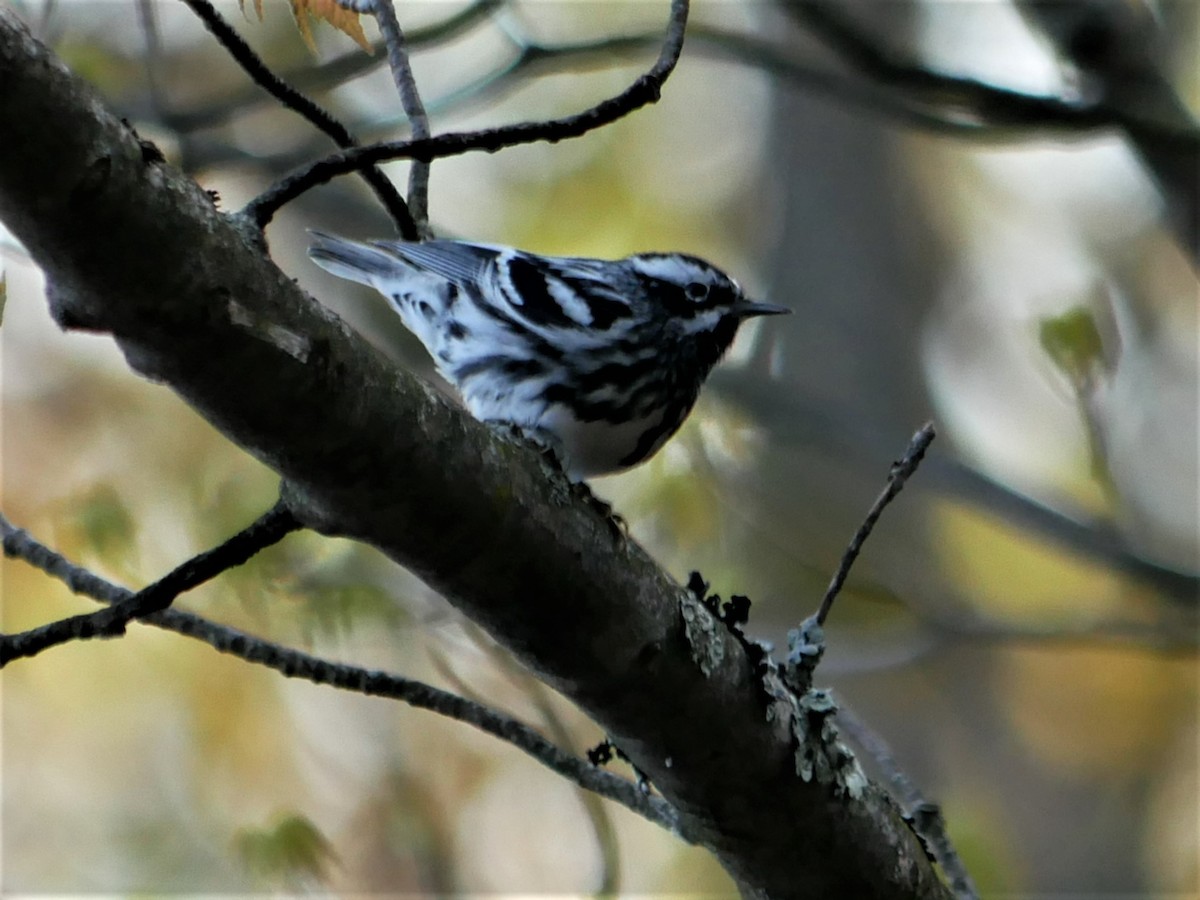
(961, 108)
(332, 72)
(410, 99)
(1144, 106)
(924, 815)
(806, 642)
(902, 469)
(806, 422)
(20, 544)
(539, 695)
(905, 93)
(1173, 631)
(988, 103)
(262, 75)
(645, 90)
(152, 62)
(1017, 116)
(268, 529)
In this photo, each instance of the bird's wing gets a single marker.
(562, 292)
(457, 261)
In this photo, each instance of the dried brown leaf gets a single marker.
(328, 11)
(323, 11)
(257, 8)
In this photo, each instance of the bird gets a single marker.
(598, 360)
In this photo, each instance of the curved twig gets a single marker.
(410, 98)
(333, 72)
(291, 98)
(991, 105)
(645, 90)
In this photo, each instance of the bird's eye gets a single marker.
(696, 291)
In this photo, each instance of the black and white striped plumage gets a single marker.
(601, 359)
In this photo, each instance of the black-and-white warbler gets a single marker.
(601, 360)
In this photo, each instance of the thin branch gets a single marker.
(941, 113)
(19, 544)
(333, 72)
(152, 61)
(1174, 631)
(947, 118)
(801, 420)
(414, 109)
(647, 89)
(988, 103)
(907, 94)
(806, 642)
(924, 815)
(902, 470)
(291, 98)
(268, 529)
(1162, 130)
(539, 695)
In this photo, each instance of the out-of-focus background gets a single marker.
(1021, 628)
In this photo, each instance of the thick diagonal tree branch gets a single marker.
(135, 249)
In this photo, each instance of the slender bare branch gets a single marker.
(410, 98)
(332, 72)
(20, 544)
(800, 421)
(645, 90)
(925, 816)
(268, 529)
(1144, 105)
(291, 98)
(902, 470)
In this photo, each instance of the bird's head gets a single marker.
(698, 298)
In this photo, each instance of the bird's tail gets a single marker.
(352, 260)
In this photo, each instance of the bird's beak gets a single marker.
(747, 309)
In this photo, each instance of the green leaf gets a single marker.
(333, 610)
(1073, 343)
(104, 523)
(286, 854)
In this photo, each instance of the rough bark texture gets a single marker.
(133, 248)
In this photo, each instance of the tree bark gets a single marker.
(133, 248)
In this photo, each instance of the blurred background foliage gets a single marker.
(1022, 628)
